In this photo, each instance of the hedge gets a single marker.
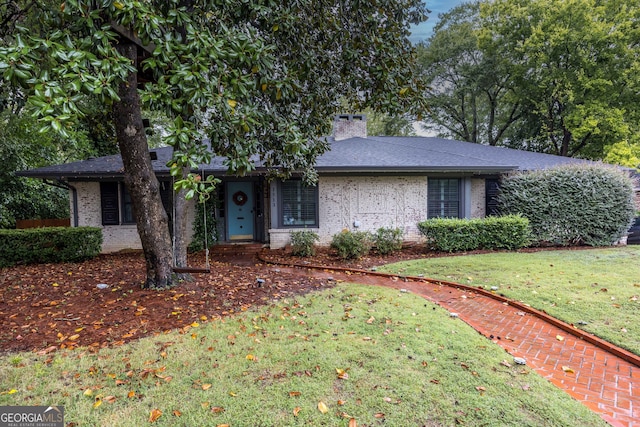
(49, 245)
(454, 235)
(571, 205)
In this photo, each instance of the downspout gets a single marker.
(74, 196)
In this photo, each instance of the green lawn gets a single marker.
(376, 355)
(597, 290)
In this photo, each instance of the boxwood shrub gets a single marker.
(49, 245)
(455, 235)
(352, 244)
(388, 240)
(303, 243)
(571, 205)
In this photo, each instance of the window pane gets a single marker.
(127, 207)
(298, 204)
(444, 198)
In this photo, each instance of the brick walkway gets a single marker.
(607, 380)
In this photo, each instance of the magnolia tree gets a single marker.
(254, 78)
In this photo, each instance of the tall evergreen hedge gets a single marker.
(589, 204)
(49, 245)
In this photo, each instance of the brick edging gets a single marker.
(590, 338)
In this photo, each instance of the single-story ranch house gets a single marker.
(364, 183)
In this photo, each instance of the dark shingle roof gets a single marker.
(372, 154)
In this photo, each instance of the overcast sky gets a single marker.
(423, 31)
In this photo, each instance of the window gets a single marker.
(299, 204)
(127, 207)
(116, 205)
(444, 198)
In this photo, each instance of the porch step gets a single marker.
(236, 248)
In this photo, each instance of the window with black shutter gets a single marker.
(299, 204)
(109, 203)
(443, 198)
(491, 196)
(117, 207)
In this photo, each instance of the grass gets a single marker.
(376, 355)
(597, 290)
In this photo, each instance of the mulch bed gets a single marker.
(52, 306)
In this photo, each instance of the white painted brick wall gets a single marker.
(372, 201)
(478, 198)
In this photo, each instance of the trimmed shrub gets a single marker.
(49, 245)
(352, 245)
(454, 235)
(571, 205)
(303, 243)
(388, 240)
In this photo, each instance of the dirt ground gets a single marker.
(51, 306)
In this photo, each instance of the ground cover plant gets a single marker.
(348, 355)
(597, 290)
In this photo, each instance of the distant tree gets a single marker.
(22, 147)
(470, 95)
(257, 77)
(574, 66)
(381, 124)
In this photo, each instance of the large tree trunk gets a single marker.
(181, 226)
(141, 181)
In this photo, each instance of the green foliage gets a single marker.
(49, 245)
(381, 124)
(455, 235)
(387, 240)
(571, 205)
(23, 147)
(573, 67)
(352, 244)
(252, 77)
(203, 238)
(471, 95)
(303, 243)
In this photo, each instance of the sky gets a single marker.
(423, 31)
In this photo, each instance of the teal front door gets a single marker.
(240, 200)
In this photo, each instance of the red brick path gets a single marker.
(605, 382)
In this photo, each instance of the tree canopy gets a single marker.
(254, 78)
(470, 98)
(552, 76)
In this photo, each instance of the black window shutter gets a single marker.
(492, 187)
(109, 203)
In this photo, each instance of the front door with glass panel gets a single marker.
(240, 202)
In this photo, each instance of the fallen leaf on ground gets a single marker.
(155, 414)
(568, 370)
(322, 407)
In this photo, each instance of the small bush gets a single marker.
(49, 245)
(388, 240)
(571, 205)
(303, 243)
(352, 245)
(454, 235)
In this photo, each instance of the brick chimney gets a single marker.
(348, 126)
